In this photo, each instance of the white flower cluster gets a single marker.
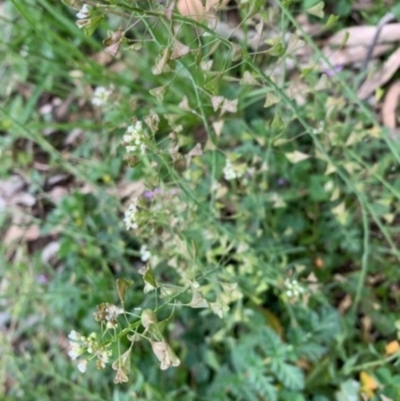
(130, 218)
(100, 96)
(230, 172)
(145, 254)
(293, 288)
(83, 16)
(79, 344)
(83, 12)
(134, 138)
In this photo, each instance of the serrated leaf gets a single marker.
(290, 376)
(262, 385)
(311, 351)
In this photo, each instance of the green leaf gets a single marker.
(90, 25)
(76, 4)
(331, 21)
(311, 351)
(149, 278)
(271, 99)
(290, 376)
(396, 11)
(348, 391)
(317, 10)
(122, 286)
(262, 385)
(277, 49)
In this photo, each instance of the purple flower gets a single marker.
(331, 72)
(281, 182)
(148, 194)
(42, 279)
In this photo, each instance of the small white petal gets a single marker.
(74, 335)
(82, 365)
(83, 12)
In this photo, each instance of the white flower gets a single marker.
(103, 358)
(293, 288)
(134, 138)
(145, 254)
(100, 96)
(75, 350)
(74, 335)
(130, 217)
(230, 173)
(83, 12)
(82, 365)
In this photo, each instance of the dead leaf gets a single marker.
(380, 77)
(50, 251)
(18, 233)
(312, 29)
(390, 105)
(352, 54)
(191, 8)
(215, 4)
(12, 193)
(56, 179)
(74, 136)
(366, 326)
(11, 186)
(344, 304)
(24, 199)
(57, 194)
(363, 35)
(130, 189)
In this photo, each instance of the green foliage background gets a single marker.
(335, 232)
